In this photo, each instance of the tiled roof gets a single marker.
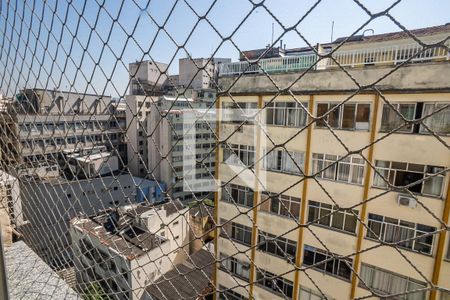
(396, 35)
(189, 280)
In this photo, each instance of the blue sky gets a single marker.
(34, 53)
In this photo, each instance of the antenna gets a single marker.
(272, 34)
(332, 30)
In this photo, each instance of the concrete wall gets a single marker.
(425, 76)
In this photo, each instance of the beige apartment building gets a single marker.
(372, 212)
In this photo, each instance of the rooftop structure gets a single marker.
(129, 241)
(350, 52)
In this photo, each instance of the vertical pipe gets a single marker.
(363, 213)
(298, 256)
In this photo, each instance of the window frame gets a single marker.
(368, 275)
(335, 262)
(422, 129)
(266, 205)
(340, 117)
(321, 161)
(280, 244)
(392, 173)
(227, 195)
(232, 265)
(265, 278)
(382, 222)
(333, 211)
(281, 157)
(402, 129)
(300, 113)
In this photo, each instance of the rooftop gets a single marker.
(117, 229)
(395, 35)
(29, 277)
(189, 280)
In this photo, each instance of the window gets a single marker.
(275, 283)
(385, 282)
(448, 250)
(330, 216)
(282, 205)
(238, 154)
(349, 169)
(391, 120)
(392, 230)
(333, 266)
(241, 233)
(236, 267)
(227, 294)
(280, 160)
(401, 174)
(438, 122)
(308, 294)
(278, 246)
(351, 116)
(236, 231)
(240, 195)
(290, 114)
(238, 112)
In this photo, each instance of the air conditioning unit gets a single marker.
(406, 200)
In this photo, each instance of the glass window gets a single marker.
(437, 122)
(330, 216)
(348, 116)
(393, 230)
(426, 180)
(386, 282)
(391, 117)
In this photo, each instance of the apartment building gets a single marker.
(364, 229)
(199, 73)
(128, 248)
(148, 77)
(155, 135)
(41, 124)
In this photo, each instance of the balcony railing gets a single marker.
(387, 55)
(390, 55)
(270, 65)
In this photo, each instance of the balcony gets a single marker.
(389, 55)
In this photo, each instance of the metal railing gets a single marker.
(360, 57)
(387, 55)
(269, 65)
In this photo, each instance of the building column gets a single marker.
(363, 213)
(441, 245)
(216, 199)
(256, 199)
(299, 254)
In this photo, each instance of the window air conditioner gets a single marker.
(406, 200)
